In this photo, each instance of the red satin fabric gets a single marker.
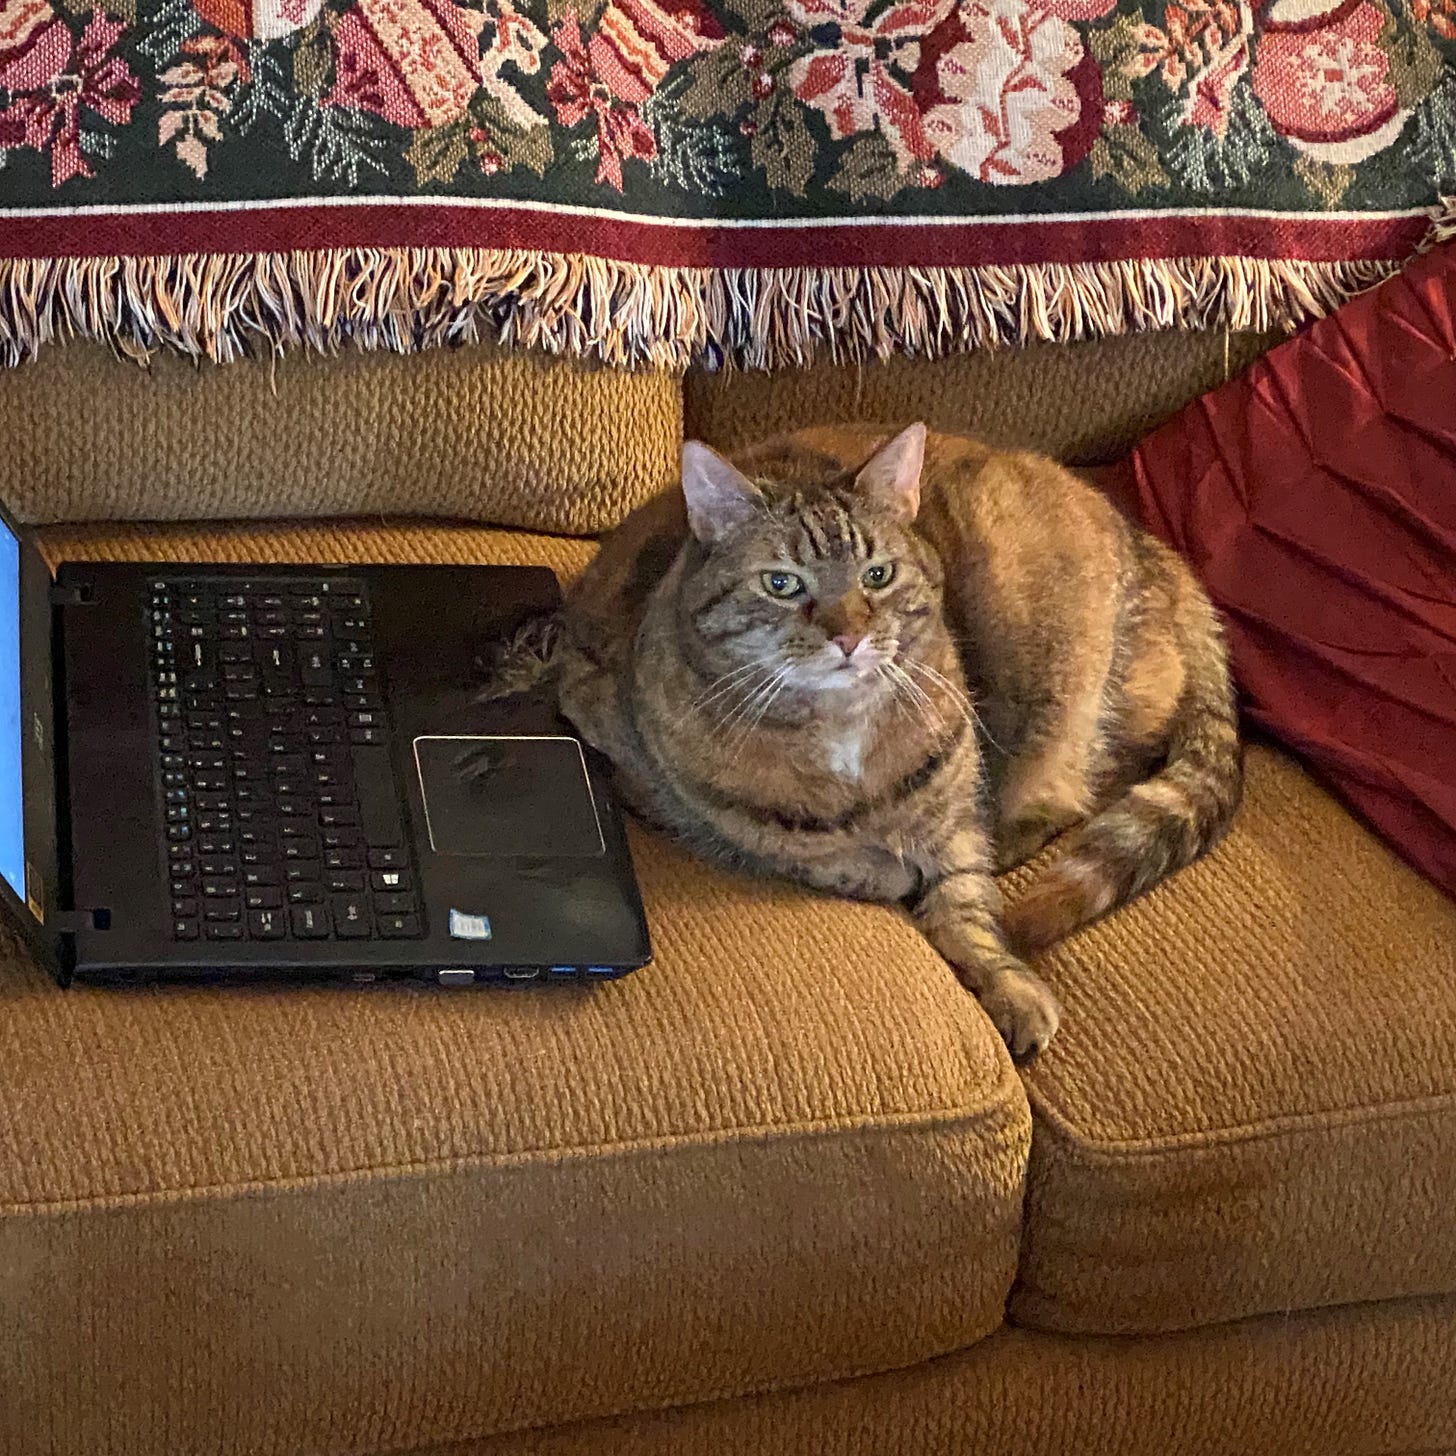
(1315, 497)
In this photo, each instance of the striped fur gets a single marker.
(1032, 664)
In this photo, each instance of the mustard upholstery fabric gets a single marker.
(274, 1221)
(1084, 402)
(1251, 1106)
(489, 435)
(1375, 1380)
(746, 1181)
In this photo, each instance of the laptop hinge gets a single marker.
(72, 596)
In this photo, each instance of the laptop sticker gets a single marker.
(469, 927)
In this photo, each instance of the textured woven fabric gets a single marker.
(267, 1221)
(1079, 402)
(1252, 1103)
(477, 433)
(1378, 1380)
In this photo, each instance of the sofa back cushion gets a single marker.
(511, 439)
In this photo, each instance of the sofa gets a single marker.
(783, 1191)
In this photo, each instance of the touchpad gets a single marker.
(507, 796)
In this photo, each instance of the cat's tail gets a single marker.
(522, 662)
(1158, 826)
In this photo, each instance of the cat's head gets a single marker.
(809, 568)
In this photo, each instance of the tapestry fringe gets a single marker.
(226, 306)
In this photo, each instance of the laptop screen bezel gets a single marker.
(44, 883)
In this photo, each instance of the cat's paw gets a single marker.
(1023, 1009)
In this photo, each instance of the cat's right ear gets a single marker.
(720, 497)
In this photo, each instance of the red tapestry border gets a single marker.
(1059, 240)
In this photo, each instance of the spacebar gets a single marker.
(374, 793)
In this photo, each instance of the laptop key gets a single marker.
(352, 920)
(305, 894)
(266, 924)
(269, 899)
(185, 929)
(225, 932)
(399, 927)
(394, 904)
(345, 881)
(389, 880)
(310, 922)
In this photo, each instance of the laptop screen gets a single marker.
(12, 813)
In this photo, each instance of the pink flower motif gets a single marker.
(860, 76)
(1009, 91)
(1324, 81)
(577, 92)
(53, 79)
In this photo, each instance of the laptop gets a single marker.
(234, 772)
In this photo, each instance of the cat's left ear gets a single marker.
(891, 478)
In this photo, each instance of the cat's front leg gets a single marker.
(959, 913)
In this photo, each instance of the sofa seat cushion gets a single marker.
(341, 1220)
(1251, 1106)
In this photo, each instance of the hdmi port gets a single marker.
(522, 973)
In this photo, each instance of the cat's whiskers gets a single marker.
(916, 697)
(724, 685)
(758, 706)
(960, 698)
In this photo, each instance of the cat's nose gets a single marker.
(846, 642)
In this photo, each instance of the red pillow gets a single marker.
(1315, 496)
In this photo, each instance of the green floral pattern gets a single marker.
(734, 108)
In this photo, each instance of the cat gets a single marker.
(891, 668)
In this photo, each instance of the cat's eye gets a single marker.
(881, 574)
(782, 584)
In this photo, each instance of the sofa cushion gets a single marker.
(1086, 401)
(479, 433)
(1251, 1106)
(343, 1220)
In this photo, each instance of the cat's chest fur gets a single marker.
(845, 747)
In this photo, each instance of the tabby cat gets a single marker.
(888, 669)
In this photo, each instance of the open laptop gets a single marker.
(219, 772)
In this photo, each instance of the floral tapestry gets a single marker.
(709, 179)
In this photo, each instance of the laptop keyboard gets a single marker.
(282, 816)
